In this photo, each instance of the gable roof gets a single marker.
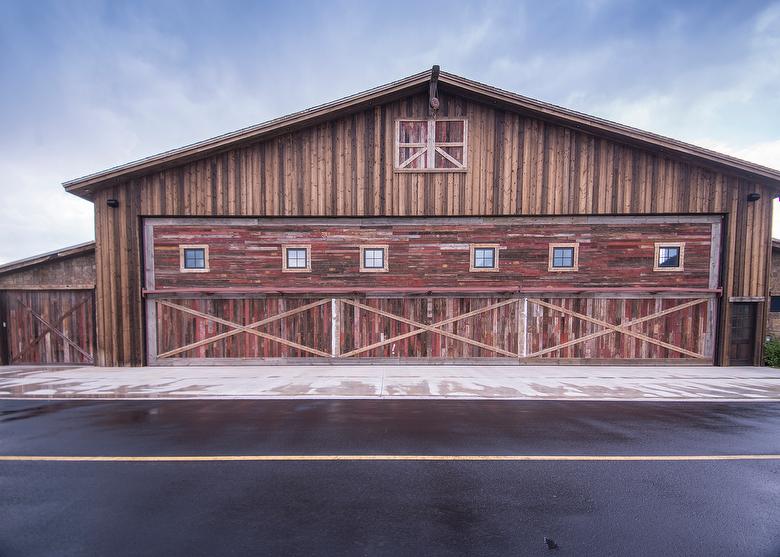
(64, 253)
(85, 186)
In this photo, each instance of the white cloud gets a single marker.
(37, 219)
(109, 92)
(766, 153)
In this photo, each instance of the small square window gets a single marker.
(669, 256)
(373, 259)
(484, 257)
(296, 259)
(563, 257)
(193, 259)
(774, 304)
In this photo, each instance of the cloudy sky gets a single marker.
(87, 85)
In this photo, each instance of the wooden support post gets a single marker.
(709, 331)
(522, 327)
(151, 331)
(335, 327)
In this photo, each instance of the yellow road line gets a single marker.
(306, 458)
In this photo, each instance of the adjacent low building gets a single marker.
(47, 308)
(773, 321)
(433, 219)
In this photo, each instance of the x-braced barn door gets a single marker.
(49, 326)
(508, 329)
(274, 328)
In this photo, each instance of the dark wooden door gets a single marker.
(4, 358)
(743, 333)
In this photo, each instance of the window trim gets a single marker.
(385, 257)
(575, 259)
(656, 260)
(204, 247)
(286, 269)
(431, 143)
(472, 253)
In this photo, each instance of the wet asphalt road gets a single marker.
(707, 508)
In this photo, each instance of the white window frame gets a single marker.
(657, 260)
(575, 257)
(385, 257)
(205, 249)
(430, 148)
(287, 269)
(472, 254)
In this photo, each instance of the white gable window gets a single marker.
(431, 145)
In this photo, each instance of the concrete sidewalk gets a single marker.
(354, 381)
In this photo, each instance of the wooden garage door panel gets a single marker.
(211, 318)
(687, 328)
(447, 328)
(50, 326)
(498, 327)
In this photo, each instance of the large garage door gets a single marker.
(488, 290)
(483, 328)
(49, 326)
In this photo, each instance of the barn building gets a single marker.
(47, 308)
(432, 219)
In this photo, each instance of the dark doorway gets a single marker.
(743, 333)
(3, 331)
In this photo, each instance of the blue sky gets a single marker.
(87, 85)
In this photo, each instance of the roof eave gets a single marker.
(64, 253)
(85, 186)
(614, 130)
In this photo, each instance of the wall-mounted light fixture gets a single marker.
(113, 203)
(753, 196)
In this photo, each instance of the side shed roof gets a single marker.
(48, 257)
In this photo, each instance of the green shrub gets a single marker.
(772, 352)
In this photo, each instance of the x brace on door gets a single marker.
(236, 328)
(53, 329)
(622, 328)
(435, 328)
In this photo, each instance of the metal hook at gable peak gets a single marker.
(433, 92)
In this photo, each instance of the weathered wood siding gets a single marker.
(613, 252)
(517, 166)
(78, 270)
